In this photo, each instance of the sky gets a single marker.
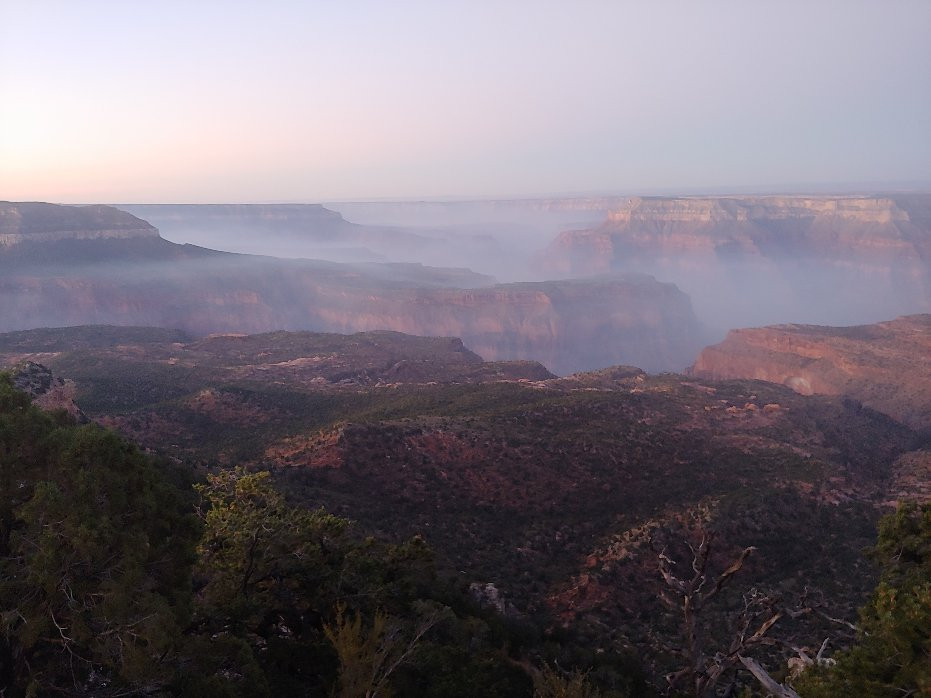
(227, 101)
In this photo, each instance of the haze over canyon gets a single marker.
(575, 283)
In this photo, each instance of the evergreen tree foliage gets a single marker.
(893, 654)
(119, 578)
(95, 552)
(290, 603)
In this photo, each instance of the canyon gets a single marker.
(755, 260)
(743, 260)
(491, 237)
(569, 325)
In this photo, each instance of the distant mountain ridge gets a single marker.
(43, 222)
(759, 260)
(768, 226)
(285, 230)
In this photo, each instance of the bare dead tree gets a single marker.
(690, 595)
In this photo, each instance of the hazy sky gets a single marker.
(316, 99)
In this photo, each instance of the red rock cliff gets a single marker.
(886, 366)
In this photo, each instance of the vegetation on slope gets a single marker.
(546, 500)
(116, 578)
(893, 654)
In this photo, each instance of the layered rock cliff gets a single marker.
(756, 260)
(886, 366)
(568, 325)
(830, 228)
(42, 222)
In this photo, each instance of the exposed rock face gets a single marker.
(760, 259)
(41, 222)
(886, 366)
(834, 228)
(568, 325)
(48, 391)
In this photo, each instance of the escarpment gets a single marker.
(568, 325)
(32, 222)
(886, 366)
(759, 260)
(830, 228)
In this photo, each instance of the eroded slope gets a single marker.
(886, 366)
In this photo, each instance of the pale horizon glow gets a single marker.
(308, 101)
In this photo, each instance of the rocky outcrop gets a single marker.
(47, 391)
(41, 222)
(886, 366)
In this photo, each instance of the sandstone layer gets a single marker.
(41, 222)
(765, 259)
(886, 366)
(825, 227)
(568, 325)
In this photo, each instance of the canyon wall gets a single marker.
(758, 260)
(42, 222)
(568, 325)
(835, 228)
(886, 366)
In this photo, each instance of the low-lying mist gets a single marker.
(499, 239)
(565, 282)
(755, 292)
(512, 241)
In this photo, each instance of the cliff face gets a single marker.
(41, 222)
(568, 325)
(760, 259)
(769, 227)
(886, 366)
